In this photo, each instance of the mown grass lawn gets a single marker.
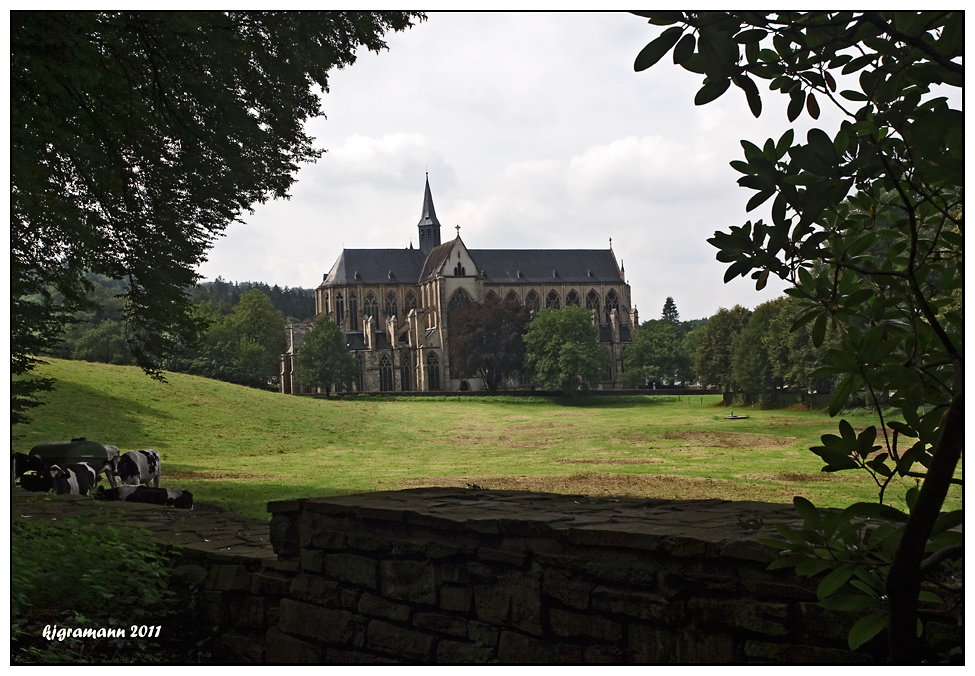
(237, 448)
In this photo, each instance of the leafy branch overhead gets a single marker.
(866, 225)
(137, 138)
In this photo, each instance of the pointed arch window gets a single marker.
(531, 301)
(552, 301)
(459, 270)
(612, 302)
(390, 305)
(404, 376)
(458, 299)
(370, 307)
(490, 295)
(410, 302)
(433, 372)
(339, 308)
(592, 301)
(353, 312)
(512, 297)
(572, 299)
(385, 374)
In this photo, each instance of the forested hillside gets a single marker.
(242, 344)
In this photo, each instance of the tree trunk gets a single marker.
(904, 579)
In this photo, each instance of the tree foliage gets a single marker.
(658, 355)
(889, 179)
(297, 304)
(137, 138)
(715, 349)
(562, 351)
(323, 358)
(243, 347)
(670, 313)
(752, 368)
(486, 339)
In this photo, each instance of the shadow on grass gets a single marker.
(89, 412)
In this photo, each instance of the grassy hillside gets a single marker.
(237, 448)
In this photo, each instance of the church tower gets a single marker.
(429, 225)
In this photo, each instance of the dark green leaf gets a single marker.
(819, 330)
(751, 94)
(711, 91)
(813, 567)
(758, 199)
(796, 103)
(808, 512)
(866, 628)
(812, 107)
(948, 520)
(832, 582)
(685, 48)
(655, 50)
(841, 394)
(750, 35)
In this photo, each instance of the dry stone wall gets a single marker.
(466, 576)
(458, 576)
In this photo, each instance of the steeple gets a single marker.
(429, 225)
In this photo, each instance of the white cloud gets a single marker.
(536, 132)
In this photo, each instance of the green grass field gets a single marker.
(238, 448)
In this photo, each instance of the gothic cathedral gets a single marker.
(393, 304)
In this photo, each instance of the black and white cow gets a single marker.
(139, 467)
(174, 497)
(110, 470)
(38, 482)
(76, 479)
(21, 463)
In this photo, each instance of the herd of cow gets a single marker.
(129, 474)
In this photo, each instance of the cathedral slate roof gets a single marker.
(547, 266)
(376, 266)
(500, 266)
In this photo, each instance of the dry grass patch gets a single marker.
(731, 439)
(208, 475)
(637, 439)
(613, 461)
(786, 477)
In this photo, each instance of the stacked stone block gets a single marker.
(456, 577)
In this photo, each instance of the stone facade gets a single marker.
(394, 304)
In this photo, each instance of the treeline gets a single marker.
(241, 341)
(734, 350)
(297, 304)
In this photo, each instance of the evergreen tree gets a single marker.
(670, 313)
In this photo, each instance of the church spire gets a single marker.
(429, 225)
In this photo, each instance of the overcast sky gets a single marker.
(536, 133)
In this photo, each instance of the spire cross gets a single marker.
(458, 230)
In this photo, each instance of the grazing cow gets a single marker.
(173, 497)
(139, 467)
(21, 463)
(76, 479)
